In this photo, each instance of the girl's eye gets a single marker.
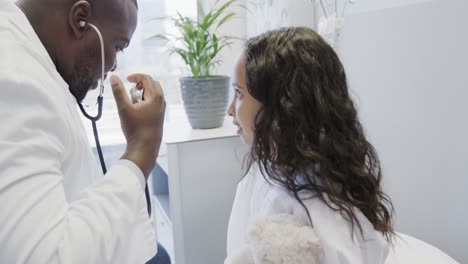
(119, 49)
(238, 92)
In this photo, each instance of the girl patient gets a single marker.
(312, 192)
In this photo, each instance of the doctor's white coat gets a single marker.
(55, 205)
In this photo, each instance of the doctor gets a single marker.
(55, 205)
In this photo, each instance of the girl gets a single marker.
(313, 192)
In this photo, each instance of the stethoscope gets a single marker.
(100, 101)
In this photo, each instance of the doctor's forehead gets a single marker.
(113, 2)
(115, 9)
(122, 15)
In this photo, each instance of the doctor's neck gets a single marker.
(49, 20)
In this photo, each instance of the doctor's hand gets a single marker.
(142, 122)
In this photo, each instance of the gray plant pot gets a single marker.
(205, 100)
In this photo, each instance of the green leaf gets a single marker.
(200, 10)
(220, 11)
(158, 19)
(196, 42)
(225, 19)
(160, 37)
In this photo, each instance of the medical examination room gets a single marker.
(234, 131)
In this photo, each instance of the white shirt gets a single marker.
(55, 205)
(257, 199)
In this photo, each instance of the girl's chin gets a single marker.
(245, 140)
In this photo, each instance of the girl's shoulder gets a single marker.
(276, 214)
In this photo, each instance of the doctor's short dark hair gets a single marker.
(307, 134)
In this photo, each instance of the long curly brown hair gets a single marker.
(307, 134)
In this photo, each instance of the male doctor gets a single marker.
(55, 205)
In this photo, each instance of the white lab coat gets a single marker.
(55, 205)
(268, 225)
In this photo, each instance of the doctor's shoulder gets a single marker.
(25, 81)
(22, 67)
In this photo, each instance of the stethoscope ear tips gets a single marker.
(82, 24)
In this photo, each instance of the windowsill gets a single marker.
(176, 130)
(111, 134)
(180, 131)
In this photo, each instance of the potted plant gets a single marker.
(205, 96)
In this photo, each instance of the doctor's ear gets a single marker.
(80, 12)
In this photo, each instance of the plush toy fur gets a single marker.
(279, 240)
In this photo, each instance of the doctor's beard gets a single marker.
(82, 79)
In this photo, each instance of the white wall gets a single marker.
(272, 14)
(374, 5)
(237, 28)
(261, 15)
(408, 66)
